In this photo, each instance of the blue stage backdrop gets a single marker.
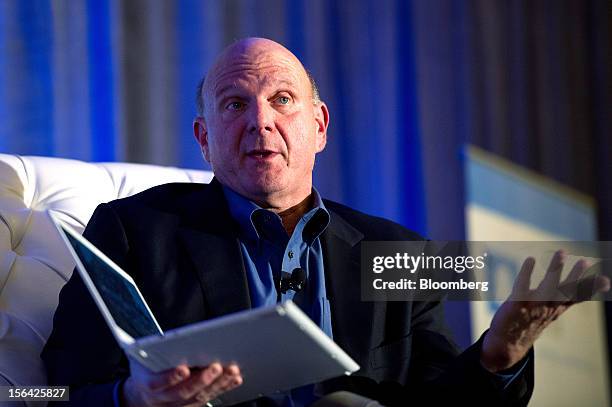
(407, 83)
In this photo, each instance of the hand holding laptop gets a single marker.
(178, 386)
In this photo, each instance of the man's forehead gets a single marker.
(255, 59)
(260, 78)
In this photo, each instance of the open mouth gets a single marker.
(261, 154)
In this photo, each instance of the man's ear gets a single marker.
(201, 134)
(322, 119)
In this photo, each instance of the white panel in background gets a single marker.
(506, 202)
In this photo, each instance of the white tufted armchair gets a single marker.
(34, 263)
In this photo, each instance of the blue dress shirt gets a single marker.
(267, 251)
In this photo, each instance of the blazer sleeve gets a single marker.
(446, 377)
(81, 351)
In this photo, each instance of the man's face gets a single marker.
(261, 129)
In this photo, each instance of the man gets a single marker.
(198, 252)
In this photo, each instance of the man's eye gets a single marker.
(235, 105)
(284, 100)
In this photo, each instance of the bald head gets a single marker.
(251, 53)
(261, 123)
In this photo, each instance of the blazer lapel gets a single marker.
(213, 246)
(351, 317)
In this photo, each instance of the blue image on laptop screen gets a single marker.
(120, 296)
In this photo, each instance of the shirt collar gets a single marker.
(248, 214)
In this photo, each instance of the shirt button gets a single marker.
(290, 254)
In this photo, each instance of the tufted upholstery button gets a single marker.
(34, 263)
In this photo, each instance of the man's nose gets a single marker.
(262, 118)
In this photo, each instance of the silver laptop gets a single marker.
(277, 348)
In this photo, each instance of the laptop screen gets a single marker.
(119, 294)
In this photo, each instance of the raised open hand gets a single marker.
(522, 318)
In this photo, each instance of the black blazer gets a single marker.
(179, 243)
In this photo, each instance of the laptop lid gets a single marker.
(113, 290)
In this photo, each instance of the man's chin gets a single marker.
(265, 187)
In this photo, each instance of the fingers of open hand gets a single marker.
(570, 286)
(577, 271)
(578, 286)
(602, 284)
(523, 280)
(551, 289)
(549, 285)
